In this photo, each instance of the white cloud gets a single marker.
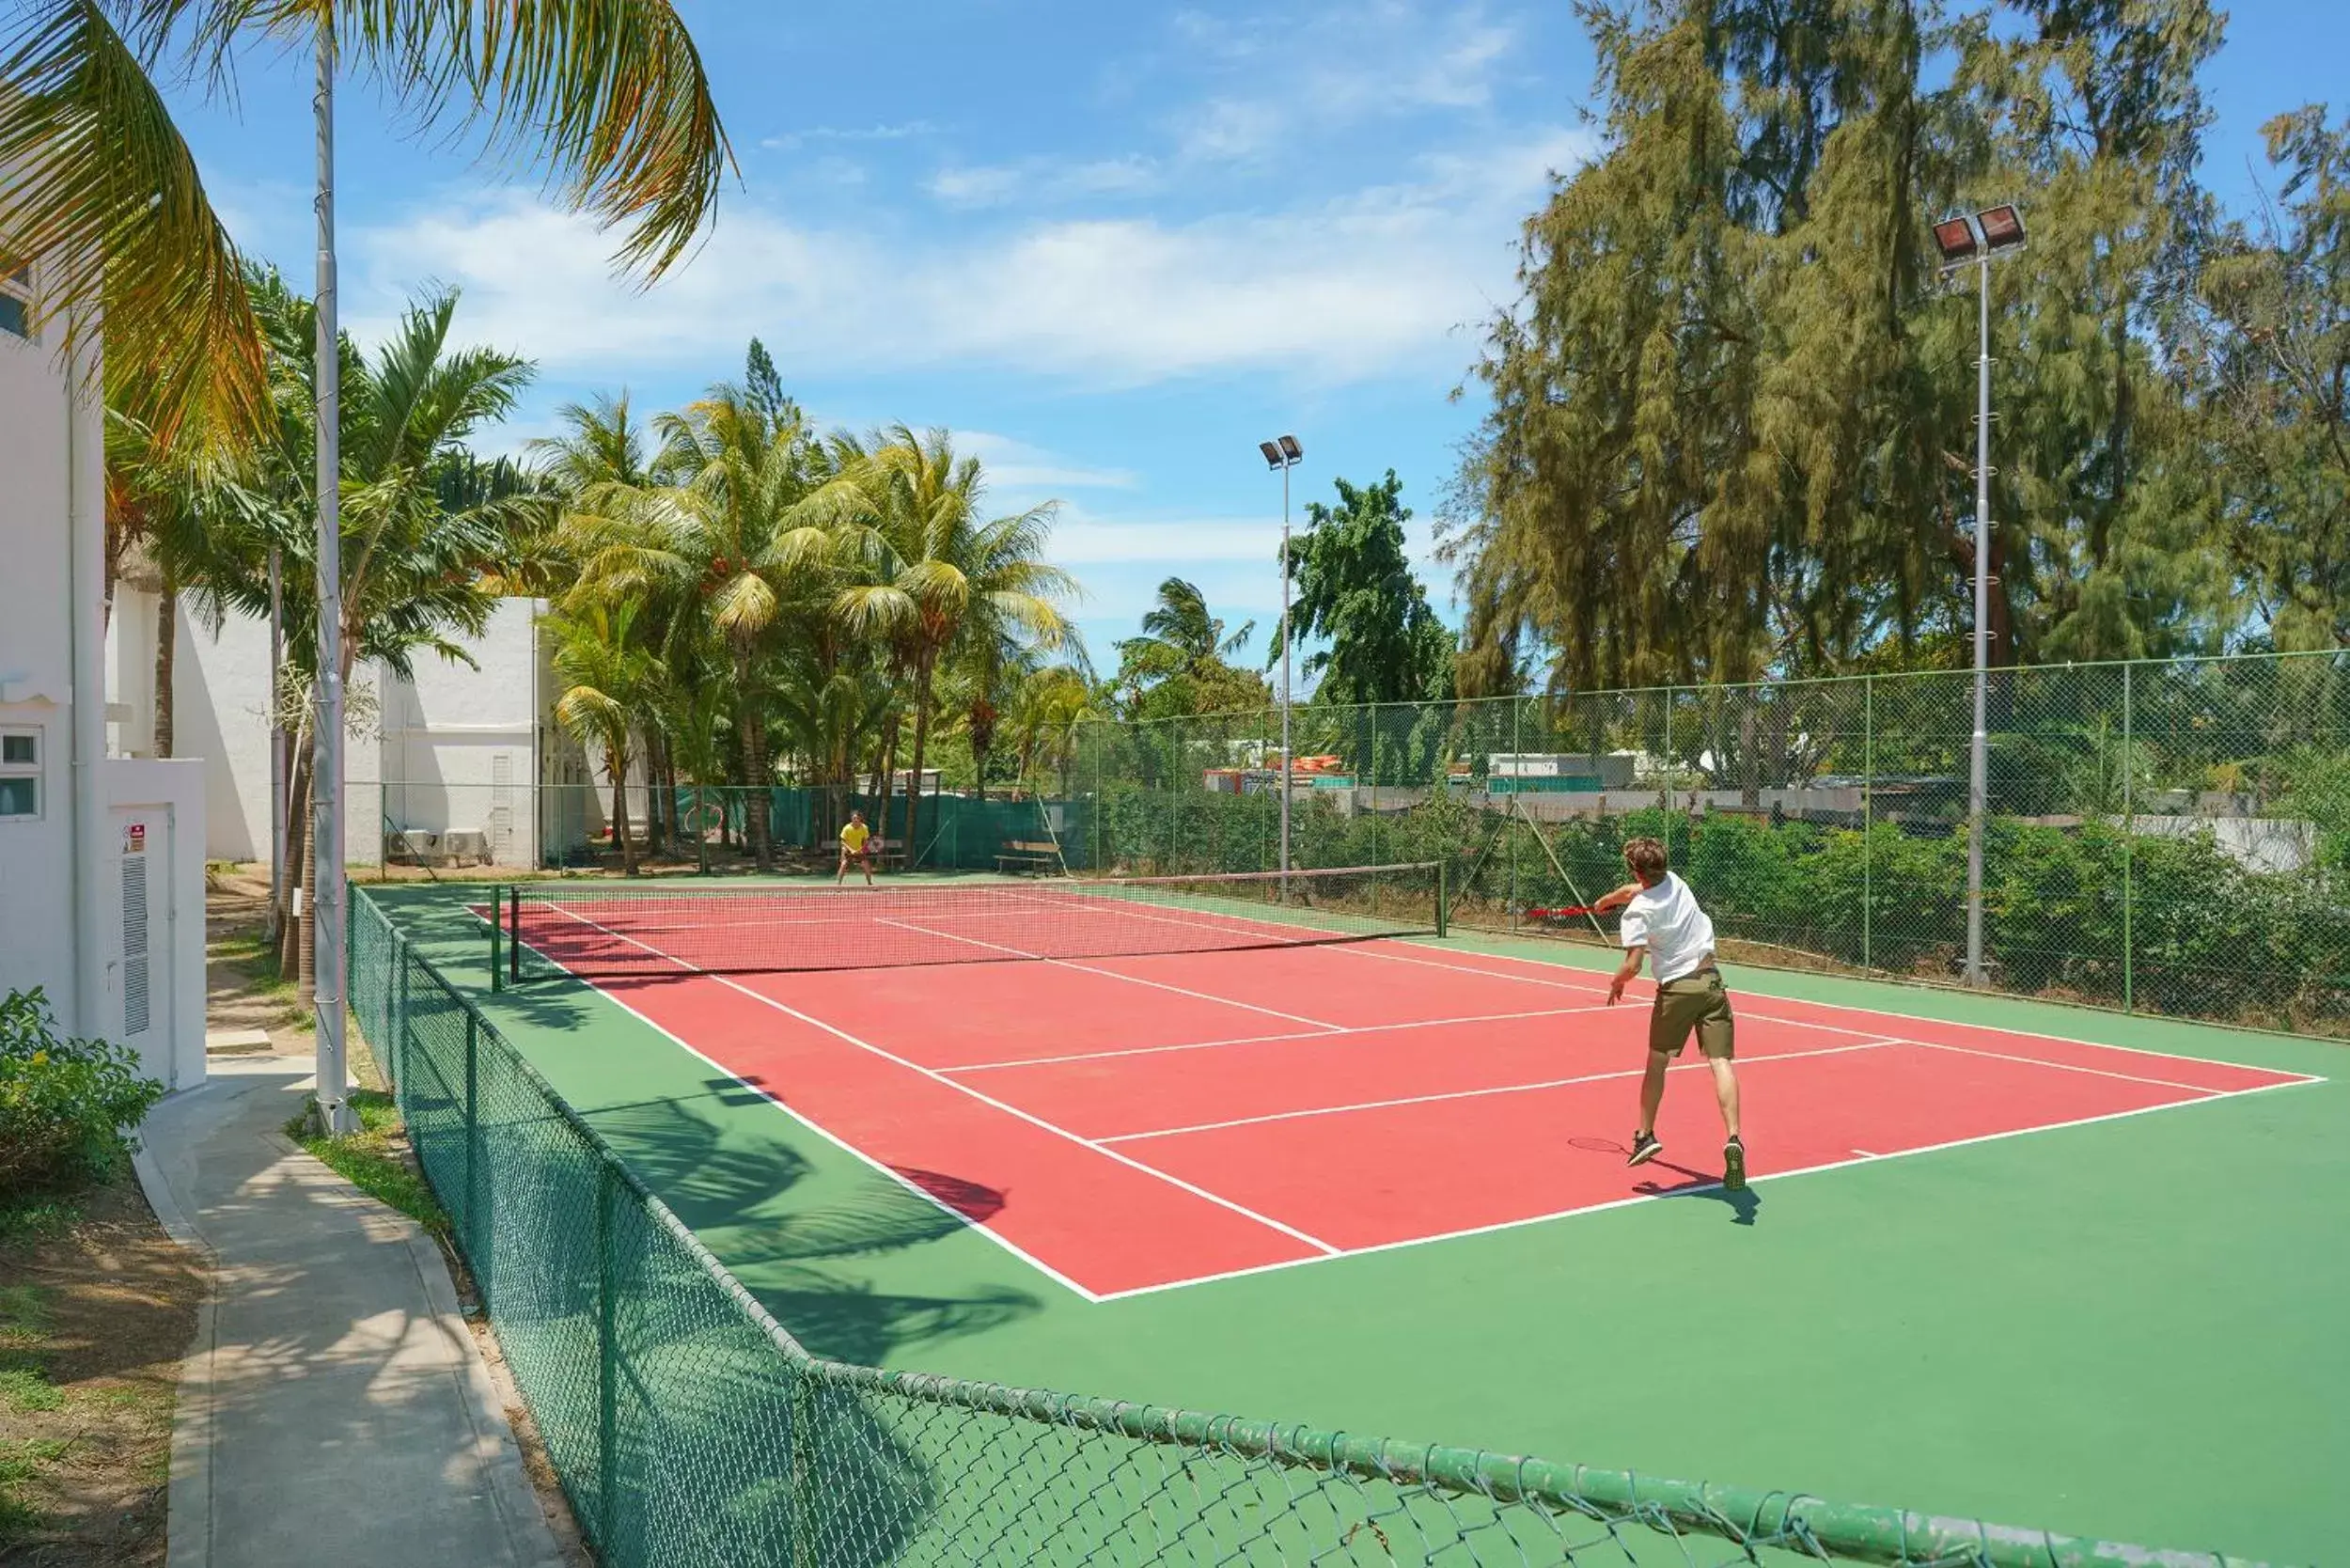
(1038, 180)
(1014, 467)
(1337, 290)
(793, 139)
(1335, 70)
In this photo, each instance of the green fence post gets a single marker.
(471, 1242)
(1868, 817)
(497, 969)
(1440, 898)
(515, 934)
(1518, 746)
(2129, 838)
(607, 1360)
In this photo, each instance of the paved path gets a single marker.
(334, 1408)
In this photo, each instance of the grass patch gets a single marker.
(19, 1463)
(36, 1219)
(375, 1159)
(24, 1389)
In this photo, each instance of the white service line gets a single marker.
(1038, 1121)
(1876, 1013)
(840, 1143)
(2065, 1066)
(1474, 1093)
(1694, 1190)
(1268, 1039)
(1112, 974)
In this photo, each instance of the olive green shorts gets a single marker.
(1693, 1002)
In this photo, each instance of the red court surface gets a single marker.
(1136, 1122)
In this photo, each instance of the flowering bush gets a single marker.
(66, 1106)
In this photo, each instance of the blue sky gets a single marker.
(1111, 246)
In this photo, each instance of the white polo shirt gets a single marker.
(1666, 919)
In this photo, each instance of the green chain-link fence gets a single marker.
(2169, 837)
(688, 1426)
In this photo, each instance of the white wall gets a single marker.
(172, 1048)
(37, 661)
(460, 743)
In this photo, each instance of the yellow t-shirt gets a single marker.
(853, 835)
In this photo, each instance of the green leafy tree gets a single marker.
(2268, 353)
(609, 680)
(1355, 589)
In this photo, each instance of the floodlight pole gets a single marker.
(1978, 749)
(1286, 640)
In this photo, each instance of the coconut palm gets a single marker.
(728, 531)
(939, 577)
(1044, 717)
(607, 680)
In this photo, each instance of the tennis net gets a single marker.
(606, 931)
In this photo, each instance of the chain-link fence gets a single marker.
(688, 1426)
(2169, 837)
(442, 826)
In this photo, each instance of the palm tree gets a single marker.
(1045, 711)
(425, 529)
(1180, 641)
(608, 681)
(610, 98)
(727, 530)
(938, 577)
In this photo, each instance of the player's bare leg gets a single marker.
(866, 861)
(1734, 1147)
(840, 878)
(1726, 1093)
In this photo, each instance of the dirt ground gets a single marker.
(93, 1323)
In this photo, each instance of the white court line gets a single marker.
(1476, 1093)
(1268, 1039)
(1698, 1190)
(843, 1144)
(1038, 1121)
(1877, 1014)
(1112, 974)
(2067, 1066)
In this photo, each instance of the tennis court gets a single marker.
(1194, 1145)
(1140, 1093)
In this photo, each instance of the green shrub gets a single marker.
(66, 1106)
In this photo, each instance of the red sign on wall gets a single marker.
(135, 839)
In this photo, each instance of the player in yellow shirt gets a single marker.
(855, 845)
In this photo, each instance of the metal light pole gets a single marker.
(1284, 454)
(326, 763)
(1994, 232)
(277, 759)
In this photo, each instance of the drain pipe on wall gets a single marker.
(86, 526)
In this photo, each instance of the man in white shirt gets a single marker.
(1663, 923)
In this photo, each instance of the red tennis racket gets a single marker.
(1573, 912)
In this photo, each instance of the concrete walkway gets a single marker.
(334, 1408)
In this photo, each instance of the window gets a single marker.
(16, 296)
(19, 772)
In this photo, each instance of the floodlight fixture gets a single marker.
(1955, 239)
(2002, 226)
(1291, 450)
(1272, 454)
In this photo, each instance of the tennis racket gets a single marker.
(1571, 912)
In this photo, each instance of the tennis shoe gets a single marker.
(1734, 1165)
(1644, 1148)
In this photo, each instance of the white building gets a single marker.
(102, 860)
(461, 764)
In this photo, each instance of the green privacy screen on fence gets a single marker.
(2167, 837)
(687, 1425)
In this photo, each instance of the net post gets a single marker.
(1440, 898)
(498, 931)
(515, 934)
(607, 1357)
